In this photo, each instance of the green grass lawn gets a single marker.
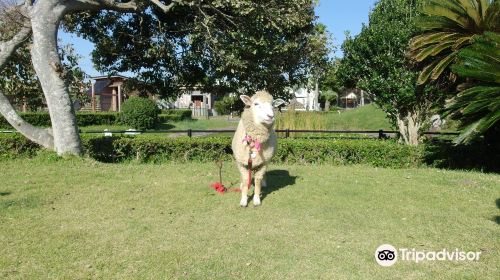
(197, 124)
(200, 124)
(368, 117)
(67, 219)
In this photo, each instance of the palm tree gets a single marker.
(446, 27)
(478, 106)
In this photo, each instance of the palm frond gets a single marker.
(444, 10)
(468, 133)
(426, 23)
(472, 9)
(442, 65)
(478, 107)
(483, 7)
(492, 17)
(481, 60)
(433, 50)
(424, 75)
(432, 38)
(445, 21)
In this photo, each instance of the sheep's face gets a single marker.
(261, 106)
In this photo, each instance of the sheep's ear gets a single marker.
(278, 102)
(246, 99)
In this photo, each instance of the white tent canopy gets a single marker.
(351, 95)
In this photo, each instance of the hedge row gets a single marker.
(157, 149)
(102, 118)
(83, 119)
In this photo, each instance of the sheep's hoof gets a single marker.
(256, 201)
(244, 202)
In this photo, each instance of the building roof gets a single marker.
(351, 95)
(108, 77)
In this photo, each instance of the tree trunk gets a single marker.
(316, 95)
(409, 127)
(307, 99)
(45, 19)
(327, 105)
(38, 135)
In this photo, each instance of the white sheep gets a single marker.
(255, 139)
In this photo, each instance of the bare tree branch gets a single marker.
(163, 7)
(38, 135)
(226, 16)
(7, 48)
(95, 5)
(12, 17)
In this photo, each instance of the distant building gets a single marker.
(106, 93)
(352, 98)
(201, 103)
(304, 99)
(194, 99)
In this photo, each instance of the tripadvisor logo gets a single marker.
(387, 255)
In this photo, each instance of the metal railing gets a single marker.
(381, 134)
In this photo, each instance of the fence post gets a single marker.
(381, 134)
(190, 133)
(287, 133)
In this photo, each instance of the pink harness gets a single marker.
(253, 144)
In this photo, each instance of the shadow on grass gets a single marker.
(164, 126)
(4, 193)
(478, 156)
(497, 218)
(277, 179)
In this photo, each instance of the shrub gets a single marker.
(140, 113)
(104, 118)
(480, 155)
(15, 145)
(34, 118)
(175, 115)
(228, 104)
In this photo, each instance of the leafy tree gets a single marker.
(375, 61)
(478, 105)
(229, 104)
(218, 45)
(330, 84)
(447, 26)
(328, 97)
(20, 82)
(330, 80)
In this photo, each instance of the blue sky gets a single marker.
(338, 16)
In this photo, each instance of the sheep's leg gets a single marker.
(264, 181)
(259, 176)
(244, 186)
